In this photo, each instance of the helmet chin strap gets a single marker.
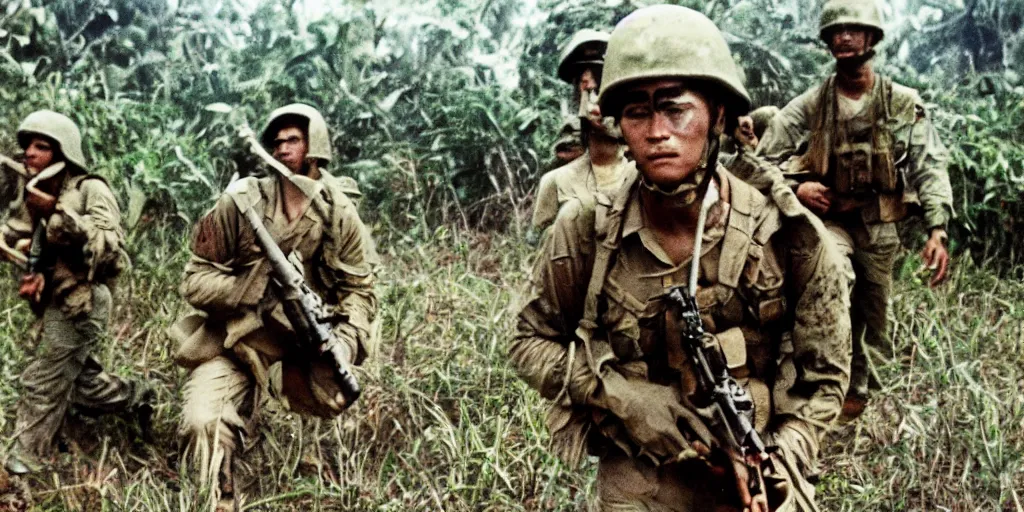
(690, 189)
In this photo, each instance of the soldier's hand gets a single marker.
(31, 288)
(730, 464)
(23, 245)
(342, 355)
(744, 133)
(651, 415)
(815, 196)
(936, 257)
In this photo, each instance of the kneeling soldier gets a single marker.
(245, 346)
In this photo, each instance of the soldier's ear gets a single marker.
(720, 119)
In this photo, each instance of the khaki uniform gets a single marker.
(754, 170)
(770, 292)
(877, 175)
(574, 180)
(85, 250)
(241, 347)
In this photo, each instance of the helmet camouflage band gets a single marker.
(648, 44)
(863, 13)
(58, 127)
(586, 47)
(319, 141)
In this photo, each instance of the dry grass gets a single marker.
(445, 424)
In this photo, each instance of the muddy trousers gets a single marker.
(870, 251)
(63, 373)
(221, 403)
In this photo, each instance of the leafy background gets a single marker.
(444, 111)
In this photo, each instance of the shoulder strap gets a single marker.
(738, 233)
(607, 236)
(85, 177)
(885, 109)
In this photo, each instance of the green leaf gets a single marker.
(136, 201)
(390, 100)
(220, 108)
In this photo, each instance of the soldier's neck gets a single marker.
(854, 81)
(294, 201)
(669, 214)
(603, 150)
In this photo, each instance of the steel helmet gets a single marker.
(318, 139)
(670, 41)
(58, 127)
(586, 47)
(862, 13)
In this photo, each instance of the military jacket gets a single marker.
(770, 289)
(84, 241)
(898, 114)
(228, 278)
(573, 180)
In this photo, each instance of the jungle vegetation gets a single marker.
(444, 111)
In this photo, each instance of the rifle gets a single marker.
(304, 308)
(732, 404)
(32, 262)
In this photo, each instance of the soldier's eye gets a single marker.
(636, 112)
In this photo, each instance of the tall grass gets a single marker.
(445, 424)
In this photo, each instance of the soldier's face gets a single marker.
(39, 154)
(588, 109)
(846, 41)
(290, 148)
(569, 153)
(588, 81)
(666, 128)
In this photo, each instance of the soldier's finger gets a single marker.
(742, 483)
(702, 449)
(943, 264)
(926, 255)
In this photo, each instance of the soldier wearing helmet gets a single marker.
(597, 170)
(860, 151)
(240, 346)
(598, 337)
(66, 232)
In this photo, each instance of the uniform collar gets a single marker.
(634, 222)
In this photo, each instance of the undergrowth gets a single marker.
(445, 424)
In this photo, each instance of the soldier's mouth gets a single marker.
(661, 156)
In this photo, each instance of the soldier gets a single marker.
(871, 152)
(598, 168)
(598, 338)
(745, 137)
(240, 348)
(69, 222)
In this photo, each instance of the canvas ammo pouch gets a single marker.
(866, 167)
(863, 159)
(733, 345)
